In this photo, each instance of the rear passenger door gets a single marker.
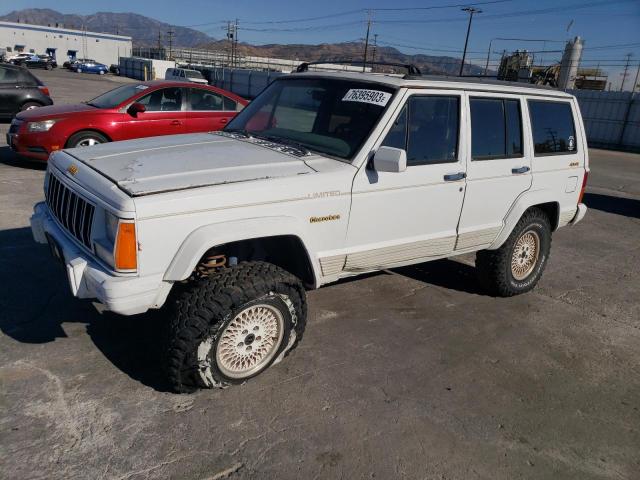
(208, 110)
(498, 169)
(409, 216)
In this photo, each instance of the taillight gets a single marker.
(584, 186)
(44, 90)
(126, 247)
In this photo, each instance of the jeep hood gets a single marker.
(177, 162)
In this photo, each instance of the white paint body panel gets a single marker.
(189, 193)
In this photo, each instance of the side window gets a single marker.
(182, 73)
(553, 128)
(205, 100)
(230, 105)
(163, 100)
(496, 128)
(427, 128)
(8, 75)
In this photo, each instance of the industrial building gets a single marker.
(62, 43)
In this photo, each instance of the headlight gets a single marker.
(118, 247)
(111, 227)
(44, 126)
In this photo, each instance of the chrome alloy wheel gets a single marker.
(525, 255)
(250, 341)
(87, 142)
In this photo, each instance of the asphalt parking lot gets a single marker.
(413, 373)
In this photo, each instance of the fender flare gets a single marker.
(523, 202)
(208, 236)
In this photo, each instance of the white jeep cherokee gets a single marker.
(321, 177)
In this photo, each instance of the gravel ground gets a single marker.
(412, 373)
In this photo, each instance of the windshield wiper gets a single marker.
(240, 131)
(287, 142)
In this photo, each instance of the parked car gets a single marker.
(17, 58)
(71, 63)
(129, 111)
(20, 90)
(114, 68)
(40, 61)
(91, 67)
(323, 176)
(184, 75)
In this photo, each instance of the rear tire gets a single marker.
(233, 325)
(86, 139)
(516, 267)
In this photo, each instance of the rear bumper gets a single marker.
(125, 295)
(580, 213)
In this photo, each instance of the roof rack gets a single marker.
(411, 69)
(480, 79)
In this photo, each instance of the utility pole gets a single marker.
(170, 34)
(471, 12)
(159, 44)
(235, 43)
(366, 41)
(626, 68)
(375, 47)
(635, 82)
(486, 66)
(229, 45)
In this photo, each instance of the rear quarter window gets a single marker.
(553, 127)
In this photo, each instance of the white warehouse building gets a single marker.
(62, 43)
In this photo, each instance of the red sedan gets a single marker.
(130, 111)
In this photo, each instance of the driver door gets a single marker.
(411, 216)
(165, 115)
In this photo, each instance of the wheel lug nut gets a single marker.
(244, 332)
(255, 329)
(249, 348)
(258, 338)
(240, 344)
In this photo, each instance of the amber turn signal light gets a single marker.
(126, 247)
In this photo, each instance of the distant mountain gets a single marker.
(143, 30)
(428, 64)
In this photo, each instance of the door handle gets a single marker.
(454, 177)
(520, 170)
(223, 120)
(176, 122)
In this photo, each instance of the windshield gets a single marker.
(332, 117)
(115, 97)
(193, 74)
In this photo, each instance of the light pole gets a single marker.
(471, 11)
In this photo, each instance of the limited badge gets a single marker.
(72, 169)
(572, 143)
(376, 97)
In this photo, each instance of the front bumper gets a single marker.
(35, 146)
(126, 295)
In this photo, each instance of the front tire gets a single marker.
(29, 106)
(86, 139)
(516, 267)
(233, 325)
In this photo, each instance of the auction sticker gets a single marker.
(374, 97)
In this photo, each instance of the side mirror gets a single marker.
(136, 108)
(389, 159)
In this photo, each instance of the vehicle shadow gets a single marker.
(8, 157)
(445, 273)
(627, 207)
(37, 307)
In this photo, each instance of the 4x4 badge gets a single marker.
(72, 169)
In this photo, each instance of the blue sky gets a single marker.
(611, 29)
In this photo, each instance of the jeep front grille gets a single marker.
(73, 212)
